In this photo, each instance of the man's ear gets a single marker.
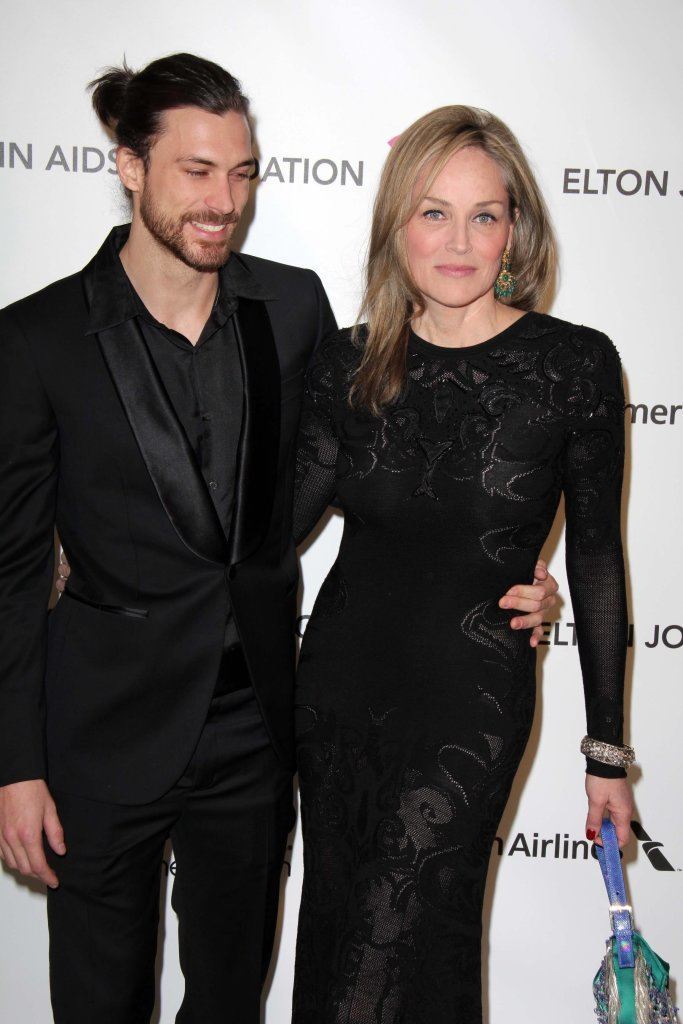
(131, 169)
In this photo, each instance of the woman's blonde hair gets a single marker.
(391, 298)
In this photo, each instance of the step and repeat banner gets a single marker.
(593, 92)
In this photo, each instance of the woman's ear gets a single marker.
(513, 222)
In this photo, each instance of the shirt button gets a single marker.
(206, 416)
(213, 485)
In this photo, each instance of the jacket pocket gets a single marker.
(111, 609)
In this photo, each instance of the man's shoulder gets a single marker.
(277, 276)
(57, 301)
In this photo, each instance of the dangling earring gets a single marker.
(505, 282)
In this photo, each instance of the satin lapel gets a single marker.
(260, 439)
(162, 441)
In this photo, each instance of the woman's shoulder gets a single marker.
(582, 366)
(337, 357)
(559, 331)
(344, 341)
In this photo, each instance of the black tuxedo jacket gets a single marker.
(106, 696)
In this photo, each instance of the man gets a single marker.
(150, 412)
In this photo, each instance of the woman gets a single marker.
(446, 428)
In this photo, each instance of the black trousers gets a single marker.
(228, 818)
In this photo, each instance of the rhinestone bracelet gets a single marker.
(608, 753)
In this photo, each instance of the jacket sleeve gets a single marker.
(29, 458)
(592, 479)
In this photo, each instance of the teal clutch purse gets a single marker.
(632, 985)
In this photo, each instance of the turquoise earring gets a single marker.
(505, 282)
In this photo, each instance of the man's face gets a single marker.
(196, 184)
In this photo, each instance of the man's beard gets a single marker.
(201, 255)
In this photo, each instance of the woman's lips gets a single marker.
(454, 270)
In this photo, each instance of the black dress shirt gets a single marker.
(204, 383)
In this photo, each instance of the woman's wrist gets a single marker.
(616, 755)
(604, 771)
(606, 760)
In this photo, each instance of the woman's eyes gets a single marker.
(480, 218)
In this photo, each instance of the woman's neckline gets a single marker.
(446, 350)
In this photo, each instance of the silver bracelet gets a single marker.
(608, 753)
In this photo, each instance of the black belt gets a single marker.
(233, 673)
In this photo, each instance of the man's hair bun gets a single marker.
(109, 94)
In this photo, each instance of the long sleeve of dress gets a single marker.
(592, 479)
(317, 445)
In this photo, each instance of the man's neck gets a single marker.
(175, 294)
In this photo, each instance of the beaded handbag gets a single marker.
(632, 985)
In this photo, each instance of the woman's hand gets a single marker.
(534, 599)
(609, 798)
(63, 571)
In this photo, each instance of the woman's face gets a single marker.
(456, 237)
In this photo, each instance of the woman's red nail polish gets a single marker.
(590, 834)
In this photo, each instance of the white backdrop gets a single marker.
(588, 87)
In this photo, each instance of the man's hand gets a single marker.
(535, 599)
(608, 798)
(26, 810)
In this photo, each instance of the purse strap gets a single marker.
(621, 914)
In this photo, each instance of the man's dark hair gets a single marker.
(131, 104)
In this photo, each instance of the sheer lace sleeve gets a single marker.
(592, 478)
(317, 446)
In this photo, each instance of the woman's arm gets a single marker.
(317, 444)
(592, 478)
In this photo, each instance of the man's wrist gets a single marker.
(11, 780)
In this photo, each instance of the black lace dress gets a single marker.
(415, 697)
